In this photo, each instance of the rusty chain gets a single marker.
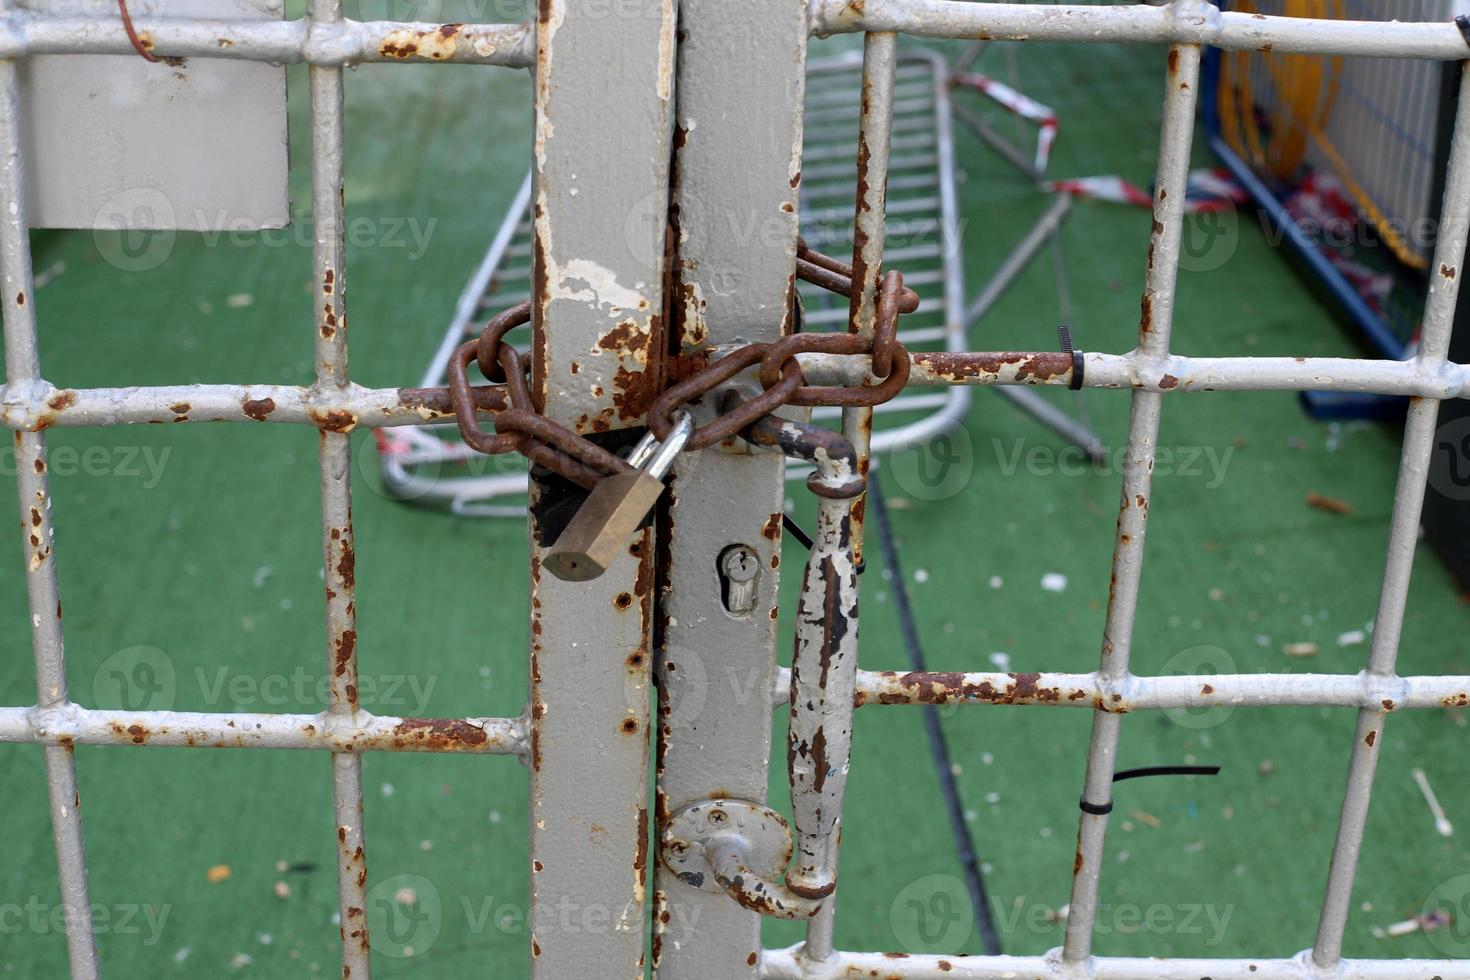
(520, 428)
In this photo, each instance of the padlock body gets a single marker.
(603, 525)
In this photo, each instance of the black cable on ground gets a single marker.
(974, 880)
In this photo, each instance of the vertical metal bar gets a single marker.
(22, 371)
(716, 665)
(329, 287)
(880, 61)
(821, 714)
(1155, 323)
(603, 127)
(1419, 436)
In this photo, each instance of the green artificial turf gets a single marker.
(201, 544)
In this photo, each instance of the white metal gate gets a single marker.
(663, 125)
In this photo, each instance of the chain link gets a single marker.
(519, 428)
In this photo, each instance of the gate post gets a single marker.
(734, 214)
(603, 90)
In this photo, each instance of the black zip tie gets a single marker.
(1167, 771)
(1463, 23)
(794, 529)
(1103, 809)
(1064, 334)
(805, 540)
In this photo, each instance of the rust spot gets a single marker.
(20, 299)
(62, 400)
(1207, 689)
(1146, 313)
(347, 564)
(629, 726)
(329, 279)
(1388, 704)
(624, 338)
(1448, 271)
(180, 408)
(438, 732)
(1173, 60)
(640, 857)
(346, 646)
(751, 959)
(772, 528)
(623, 600)
(139, 734)
(1168, 381)
(336, 420)
(1370, 739)
(342, 835)
(35, 517)
(1077, 862)
(258, 408)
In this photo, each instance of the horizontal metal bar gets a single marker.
(1136, 693)
(790, 964)
(30, 406)
(71, 724)
(1140, 23)
(1170, 373)
(324, 43)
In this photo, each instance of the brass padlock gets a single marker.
(613, 510)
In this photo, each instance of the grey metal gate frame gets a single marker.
(589, 712)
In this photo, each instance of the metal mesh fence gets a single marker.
(335, 405)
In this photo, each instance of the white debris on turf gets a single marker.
(1351, 638)
(1001, 660)
(1054, 582)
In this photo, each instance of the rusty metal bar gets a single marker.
(875, 138)
(1172, 373)
(325, 43)
(1418, 445)
(23, 370)
(36, 405)
(787, 964)
(335, 464)
(70, 724)
(716, 649)
(1132, 692)
(1181, 22)
(596, 364)
(1155, 323)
